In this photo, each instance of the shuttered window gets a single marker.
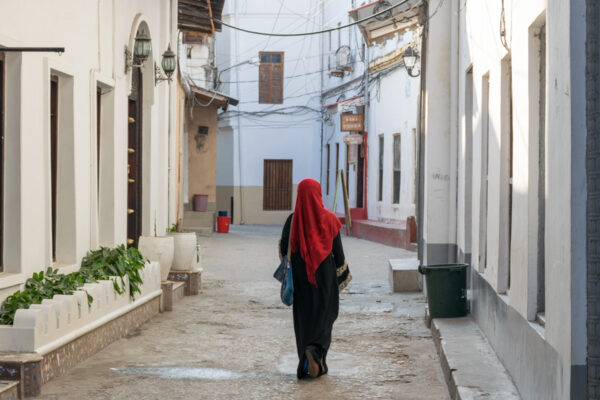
(397, 174)
(277, 186)
(270, 78)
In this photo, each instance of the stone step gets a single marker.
(200, 230)
(404, 275)
(197, 215)
(9, 390)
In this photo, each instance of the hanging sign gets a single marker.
(351, 122)
(353, 138)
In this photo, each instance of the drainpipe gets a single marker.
(239, 122)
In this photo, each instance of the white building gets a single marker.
(268, 143)
(368, 78)
(503, 179)
(70, 184)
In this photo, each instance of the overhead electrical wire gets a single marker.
(314, 32)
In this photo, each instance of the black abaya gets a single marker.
(315, 309)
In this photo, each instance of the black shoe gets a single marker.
(313, 363)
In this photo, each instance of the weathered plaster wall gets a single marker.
(202, 153)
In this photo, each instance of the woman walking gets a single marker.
(319, 271)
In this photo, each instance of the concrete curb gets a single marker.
(470, 366)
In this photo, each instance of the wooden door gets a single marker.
(134, 161)
(1, 160)
(54, 154)
(277, 186)
(360, 172)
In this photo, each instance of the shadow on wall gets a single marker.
(200, 138)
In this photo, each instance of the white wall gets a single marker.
(292, 135)
(93, 56)
(473, 28)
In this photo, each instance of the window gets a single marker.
(270, 78)
(483, 197)
(380, 189)
(539, 75)
(397, 175)
(468, 195)
(53, 154)
(277, 186)
(506, 156)
(327, 176)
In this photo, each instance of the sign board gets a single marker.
(352, 122)
(353, 138)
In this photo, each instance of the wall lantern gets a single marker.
(168, 63)
(410, 58)
(141, 50)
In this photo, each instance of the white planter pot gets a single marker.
(158, 248)
(185, 250)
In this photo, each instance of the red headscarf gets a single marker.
(313, 228)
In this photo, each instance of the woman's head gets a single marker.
(309, 192)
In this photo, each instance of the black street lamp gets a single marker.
(410, 58)
(141, 50)
(168, 63)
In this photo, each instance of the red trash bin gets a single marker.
(223, 224)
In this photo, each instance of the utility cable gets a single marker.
(315, 32)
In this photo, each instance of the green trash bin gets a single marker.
(446, 289)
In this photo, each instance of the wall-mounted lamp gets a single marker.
(410, 58)
(168, 63)
(141, 50)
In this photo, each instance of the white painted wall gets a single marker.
(94, 34)
(282, 136)
(475, 43)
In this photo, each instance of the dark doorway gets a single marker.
(360, 176)
(134, 160)
(98, 127)
(54, 154)
(1, 160)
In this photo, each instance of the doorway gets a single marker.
(134, 160)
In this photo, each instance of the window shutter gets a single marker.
(264, 83)
(270, 78)
(277, 84)
(277, 185)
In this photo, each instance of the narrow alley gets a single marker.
(236, 340)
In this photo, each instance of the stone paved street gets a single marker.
(235, 340)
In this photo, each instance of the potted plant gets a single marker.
(185, 248)
(158, 248)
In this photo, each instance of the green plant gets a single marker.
(39, 287)
(105, 263)
(173, 228)
(102, 264)
(197, 252)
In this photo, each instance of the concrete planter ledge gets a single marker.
(57, 321)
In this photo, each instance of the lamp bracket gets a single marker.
(159, 76)
(129, 61)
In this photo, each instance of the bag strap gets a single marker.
(289, 248)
